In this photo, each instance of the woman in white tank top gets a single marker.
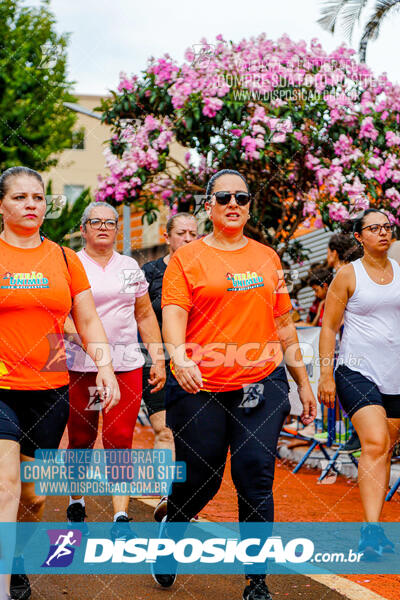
(367, 377)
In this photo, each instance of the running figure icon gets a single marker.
(62, 549)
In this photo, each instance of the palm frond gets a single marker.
(330, 12)
(350, 15)
(381, 10)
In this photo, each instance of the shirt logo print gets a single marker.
(244, 281)
(24, 281)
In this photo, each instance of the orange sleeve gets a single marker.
(79, 281)
(176, 288)
(283, 303)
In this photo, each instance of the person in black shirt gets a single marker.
(181, 229)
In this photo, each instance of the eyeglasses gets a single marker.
(242, 198)
(378, 228)
(98, 223)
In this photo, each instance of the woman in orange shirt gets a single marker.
(226, 320)
(40, 283)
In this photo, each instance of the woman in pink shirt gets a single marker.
(119, 289)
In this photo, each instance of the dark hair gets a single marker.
(358, 223)
(171, 220)
(213, 179)
(14, 172)
(343, 244)
(320, 276)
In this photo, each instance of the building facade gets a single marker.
(78, 168)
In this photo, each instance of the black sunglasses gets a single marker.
(242, 198)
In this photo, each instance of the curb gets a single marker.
(346, 587)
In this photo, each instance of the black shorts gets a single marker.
(34, 418)
(154, 402)
(356, 391)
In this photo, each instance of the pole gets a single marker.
(126, 243)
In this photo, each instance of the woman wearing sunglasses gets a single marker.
(226, 319)
(120, 293)
(367, 293)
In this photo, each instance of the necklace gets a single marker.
(382, 277)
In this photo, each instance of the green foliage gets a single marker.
(69, 220)
(34, 124)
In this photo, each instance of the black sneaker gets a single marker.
(76, 514)
(121, 529)
(386, 545)
(369, 543)
(352, 445)
(20, 588)
(257, 589)
(163, 570)
(160, 510)
(165, 581)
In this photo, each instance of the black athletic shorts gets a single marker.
(356, 391)
(154, 402)
(34, 418)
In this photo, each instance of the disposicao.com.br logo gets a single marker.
(192, 550)
(201, 548)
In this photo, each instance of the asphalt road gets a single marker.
(142, 587)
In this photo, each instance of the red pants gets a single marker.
(118, 423)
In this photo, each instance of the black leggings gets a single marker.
(205, 425)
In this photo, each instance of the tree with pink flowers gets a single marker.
(317, 135)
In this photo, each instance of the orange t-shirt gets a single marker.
(232, 298)
(36, 288)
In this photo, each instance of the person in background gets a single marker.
(123, 304)
(181, 229)
(367, 376)
(41, 282)
(342, 249)
(394, 251)
(320, 280)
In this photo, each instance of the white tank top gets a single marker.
(371, 335)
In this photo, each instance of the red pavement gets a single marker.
(297, 498)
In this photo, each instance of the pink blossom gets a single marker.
(251, 144)
(125, 83)
(309, 208)
(393, 196)
(369, 173)
(303, 139)
(392, 218)
(375, 161)
(395, 176)
(237, 132)
(392, 139)
(279, 137)
(367, 129)
(338, 212)
(312, 161)
(212, 106)
(343, 145)
(318, 224)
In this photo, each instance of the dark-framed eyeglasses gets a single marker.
(376, 229)
(98, 223)
(242, 198)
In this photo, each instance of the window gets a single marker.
(78, 139)
(72, 192)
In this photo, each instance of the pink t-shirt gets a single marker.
(115, 288)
